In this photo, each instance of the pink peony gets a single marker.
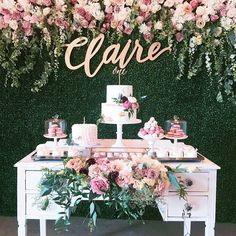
(103, 164)
(127, 104)
(99, 185)
(179, 37)
(75, 164)
(124, 179)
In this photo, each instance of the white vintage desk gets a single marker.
(201, 194)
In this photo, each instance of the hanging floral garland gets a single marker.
(200, 33)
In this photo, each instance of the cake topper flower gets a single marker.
(129, 103)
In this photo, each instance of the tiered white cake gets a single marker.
(85, 134)
(120, 104)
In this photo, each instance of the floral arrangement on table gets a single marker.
(128, 103)
(198, 31)
(127, 185)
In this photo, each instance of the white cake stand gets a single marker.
(55, 138)
(176, 139)
(119, 133)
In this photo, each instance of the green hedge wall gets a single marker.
(211, 125)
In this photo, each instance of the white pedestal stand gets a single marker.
(119, 132)
(151, 143)
(176, 140)
(55, 138)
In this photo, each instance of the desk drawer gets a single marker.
(195, 182)
(33, 179)
(175, 206)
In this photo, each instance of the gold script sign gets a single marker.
(112, 54)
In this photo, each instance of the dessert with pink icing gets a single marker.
(176, 128)
(151, 129)
(55, 127)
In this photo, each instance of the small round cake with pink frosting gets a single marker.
(151, 129)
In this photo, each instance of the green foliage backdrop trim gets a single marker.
(211, 125)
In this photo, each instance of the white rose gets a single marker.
(179, 27)
(158, 25)
(13, 24)
(201, 10)
(132, 99)
(46, 11)
(155, 8)
(143, 28)
(129, 2)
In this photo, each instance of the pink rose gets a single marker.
(214, 18)
(128, 30)
(5, 11)
(127, 104)
(179, 37)
(33, 1)
(16, 16)
(147, 2)
(47, 2)
(73, 2)
(194, 3)
(148, 36)
(140, 19)
(84, 23)
(99, 185)
(88, 16)
(81, 11)
(27, 28)
(3, 25)
(19, 7)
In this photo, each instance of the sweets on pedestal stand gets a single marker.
(55, 129)
(176, 130)
(151, 132)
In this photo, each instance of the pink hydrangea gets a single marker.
(99, 185)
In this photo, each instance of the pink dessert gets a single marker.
(151, 129)
(175, 131)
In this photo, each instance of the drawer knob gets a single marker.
(189, 182)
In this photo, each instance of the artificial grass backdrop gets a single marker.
(211, 125)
